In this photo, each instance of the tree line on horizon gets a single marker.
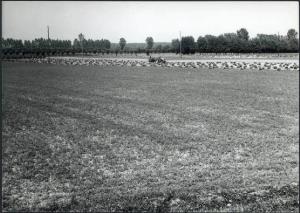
(238, 42)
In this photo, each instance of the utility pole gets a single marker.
(48, 41)
(48, 32)
(278, 39)
(180, 44)
(81, 38)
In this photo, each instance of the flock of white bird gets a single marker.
(242, 65)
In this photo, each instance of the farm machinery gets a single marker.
(158, 60)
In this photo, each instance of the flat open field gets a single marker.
(149, 138)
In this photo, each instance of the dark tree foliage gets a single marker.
(291, 34)
(243, 34)
(188, 45)
(11, 43)
(122, 43)
(201, 44)
(76, 44)
(175, 45)
(240, 43)
(232, 42)
(27, 44)
(149, 42)
(46, 47)
(92, 45)
(211, 42)
(158, 48)
(293, 42)
(166, 49)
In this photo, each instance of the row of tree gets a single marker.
(238, 42)
(39, 43)
(90, 44)
(42, 43)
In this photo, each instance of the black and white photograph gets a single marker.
(150, 106)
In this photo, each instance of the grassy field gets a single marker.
(151, 138)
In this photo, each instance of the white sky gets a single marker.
(136, 20)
